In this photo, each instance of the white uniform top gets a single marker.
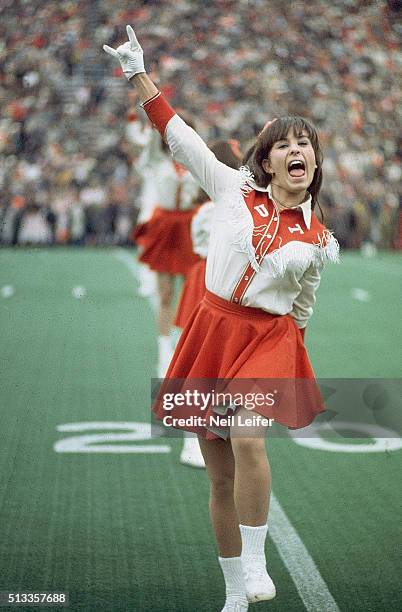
(148, 141)
(288, 278)
(169, 185)
(201, 229)
(160, 181)
(145, 138)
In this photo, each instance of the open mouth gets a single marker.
(296, 168)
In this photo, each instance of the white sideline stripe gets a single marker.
(128, 261)
(301, 567)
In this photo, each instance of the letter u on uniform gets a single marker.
(261, 210)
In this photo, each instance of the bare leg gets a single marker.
(166, 290)
(252, 484)
(219, 462)
(251, 495)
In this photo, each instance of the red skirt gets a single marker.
(192, 293)
(223, 340)
(166, 241)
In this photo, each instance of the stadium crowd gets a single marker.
(67, 166)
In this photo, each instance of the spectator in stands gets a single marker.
(338, 63)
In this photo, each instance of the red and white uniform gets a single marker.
(201, 229)
(165, 235)
(194, 286)
(151, 153)
(263, 270)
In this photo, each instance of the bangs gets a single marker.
(280, 128)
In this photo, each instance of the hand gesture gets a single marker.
(130, 55)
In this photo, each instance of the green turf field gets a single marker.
(115, 520)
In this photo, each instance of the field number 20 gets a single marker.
(108, 441)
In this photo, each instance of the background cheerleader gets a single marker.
(228, 152)
(193, 289)
(146, 139)
(165, 237)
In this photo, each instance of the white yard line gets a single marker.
(300, 565)
(128, 260)
(132, 266)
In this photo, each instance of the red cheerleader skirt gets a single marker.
(222, 340)
(192, 293)
(166, 241)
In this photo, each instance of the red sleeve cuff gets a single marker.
(159, 112)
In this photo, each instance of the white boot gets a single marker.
(191, 452)
(148, 284)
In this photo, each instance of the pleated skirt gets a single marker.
(165, 241)
(192, 293)
(222, 340)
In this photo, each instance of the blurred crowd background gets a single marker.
(67, 166)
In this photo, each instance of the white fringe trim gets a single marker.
(327, 249)
(241, 219)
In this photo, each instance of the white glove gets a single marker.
(130, 55)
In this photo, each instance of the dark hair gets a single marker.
(277, 131)
(227, 152)
(248, 154)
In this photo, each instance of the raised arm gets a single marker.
(131, 58)
(185, 144)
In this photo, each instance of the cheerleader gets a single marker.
(193, 289)
(154, 159)
(163, 232)
(266, 253)
(228, 152)
(149, 142)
